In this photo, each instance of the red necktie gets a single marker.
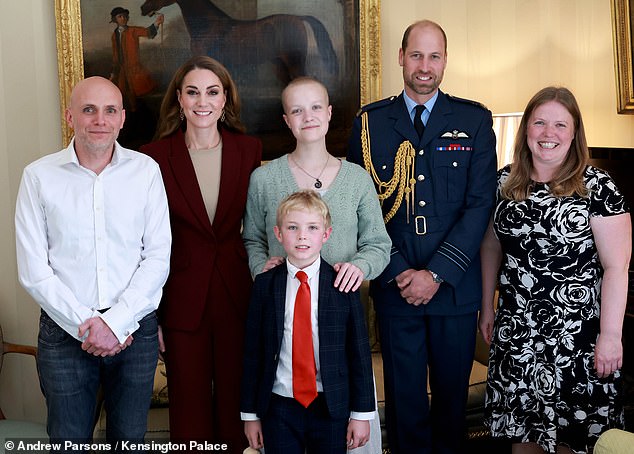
(304, 372)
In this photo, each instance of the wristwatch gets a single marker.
(437, 279)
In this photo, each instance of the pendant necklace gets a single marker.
(318, 183)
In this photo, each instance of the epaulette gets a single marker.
(468, 101)
(376, 104)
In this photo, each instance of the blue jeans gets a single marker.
(70, 379)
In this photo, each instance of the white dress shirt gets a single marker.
(88, 242)
(283, 384)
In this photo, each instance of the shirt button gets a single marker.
(455, 164)
(421, 152)
(384, 167)
(422, 203)
(127, 333)
(421, 177)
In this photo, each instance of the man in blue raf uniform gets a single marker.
(434, 168)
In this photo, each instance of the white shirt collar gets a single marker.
(310, 270)
(70, 156)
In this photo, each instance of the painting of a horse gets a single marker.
(286, 41)
(263, 43)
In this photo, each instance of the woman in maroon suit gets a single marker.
(206, 160)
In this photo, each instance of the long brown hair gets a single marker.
(568, 180)
(169, 118)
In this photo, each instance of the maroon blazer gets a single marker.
(203, 252)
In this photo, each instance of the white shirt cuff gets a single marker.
(362, 415)
(249, 416)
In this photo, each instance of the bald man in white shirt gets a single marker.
(93, 243)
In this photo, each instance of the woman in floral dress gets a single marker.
(560, 239)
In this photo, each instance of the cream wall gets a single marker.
(29, 128)
(500, 53)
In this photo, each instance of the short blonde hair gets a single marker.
(303, 80)
(422, 23)
(305, 200)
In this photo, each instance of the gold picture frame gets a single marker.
(622, 30)
(71, 62)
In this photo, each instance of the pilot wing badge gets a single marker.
(455, 134)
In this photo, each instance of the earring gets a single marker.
(182, 115)
(222, 116)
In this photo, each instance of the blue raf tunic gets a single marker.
(443, 224)
(438, 193)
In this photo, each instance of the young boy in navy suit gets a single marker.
(307, 383)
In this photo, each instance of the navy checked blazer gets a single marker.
(455, 173)
(344, 350)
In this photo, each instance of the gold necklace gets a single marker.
(318, 183)
(211, 147)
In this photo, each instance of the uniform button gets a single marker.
(127, 333)
(421, 152)
(384, 167)
(422, 203)
(421, 177)
(455, 164)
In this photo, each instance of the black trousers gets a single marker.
(289, 428)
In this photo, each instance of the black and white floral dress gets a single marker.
(542, 386)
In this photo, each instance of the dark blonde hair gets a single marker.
(169, 118)
(300, 81)
(422, 23)
(568, 180)
(306, 200)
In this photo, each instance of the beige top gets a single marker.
(207, 166)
